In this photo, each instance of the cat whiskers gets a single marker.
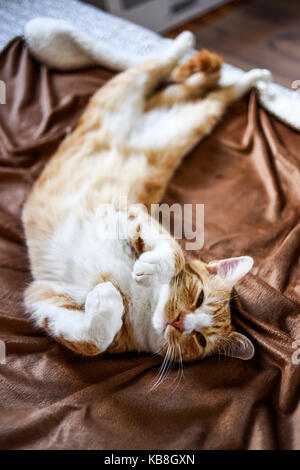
(180, 372)
(227, 299)
(165, 368)
(158, 351)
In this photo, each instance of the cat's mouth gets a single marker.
(171, 333)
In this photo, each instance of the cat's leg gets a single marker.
(194, 120)
(184, 126)
(132, 86)
(123, 98)
(194, 78)
(160, 256)
(194, 87)
(160, 70)
(89, 329)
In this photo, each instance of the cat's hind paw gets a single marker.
(181, 45)
(104, 309)
(186, 39)
(206, 62)
(104, 297)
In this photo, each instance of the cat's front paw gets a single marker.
(104, 309)
(154, 267)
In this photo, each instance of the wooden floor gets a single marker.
(254, 33)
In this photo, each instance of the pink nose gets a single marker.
(178, 323)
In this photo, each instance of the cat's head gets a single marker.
(196, 319)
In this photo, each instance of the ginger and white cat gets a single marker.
(95, 293)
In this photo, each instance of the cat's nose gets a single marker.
(178, 323)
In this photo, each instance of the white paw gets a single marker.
(182, 44)
(104, 309)
(186, 40)
(103, 297)
(154, 267)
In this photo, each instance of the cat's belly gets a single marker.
(91, 253)
(85, 251)
(85, 248)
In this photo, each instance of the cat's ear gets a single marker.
(238, 346)
(231, 270)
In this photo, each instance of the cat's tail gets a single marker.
(206, 63)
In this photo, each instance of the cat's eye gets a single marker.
(200, 300)
(201, 339)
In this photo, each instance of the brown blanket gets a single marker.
(248, 176)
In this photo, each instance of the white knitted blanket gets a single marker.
(91, 36)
